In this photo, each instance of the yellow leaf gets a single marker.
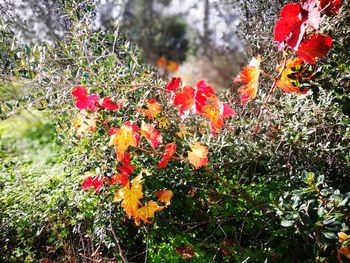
(130, 196)
(343, 237)
(123, 138)
(85, 122)
(285, 83)
(145, 212)
(163, 122)
(198, 155)
(183, 132)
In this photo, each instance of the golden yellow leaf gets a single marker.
(145, 212)
(123, 138)
(343, 237)
(183, 132)
(85, 122)
(198, 155)
(130, 196)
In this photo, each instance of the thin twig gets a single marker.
(118, 244)
(159, 153)
(268, 96)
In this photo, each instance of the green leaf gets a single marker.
(287, 223)
(330, 235)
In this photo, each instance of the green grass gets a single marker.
(29, 163)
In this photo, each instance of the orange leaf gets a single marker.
(153, 136)
(249, 75)
(285, 83)
(153, 109)
(161, 62)
(130, 196)
(123, 138)
(185, 251)
(198, 155)
(170, 149)
(164, 196)
(145, 212)
(212, 113)
(215, 112)
(343, 237)
(172, 65)
(343, 254)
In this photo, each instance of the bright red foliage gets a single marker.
(227, 111)
(170, 149)
(108, 104)
(331, 7)
(120, 178)
(84, 102)
(295, 19)
(126, 167)
(315, 47)
(203, 93)
(185, 99)
(173, 84)
(96, 183)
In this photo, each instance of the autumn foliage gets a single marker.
(297, 33)
(198, 101)
(299, 36)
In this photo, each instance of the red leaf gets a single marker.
(331, 7)
(153, 136)
(227, 111)
(204, 92)
(108, 104)
(315, 47)
(126, 167)
(120, 178)
(112, 131)
(82, 101)
(185, 99)
(173, 85)
(289, 22)
(96, 183)
(170, 149)
(295, 18)
(249, 75)
(153, 109)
